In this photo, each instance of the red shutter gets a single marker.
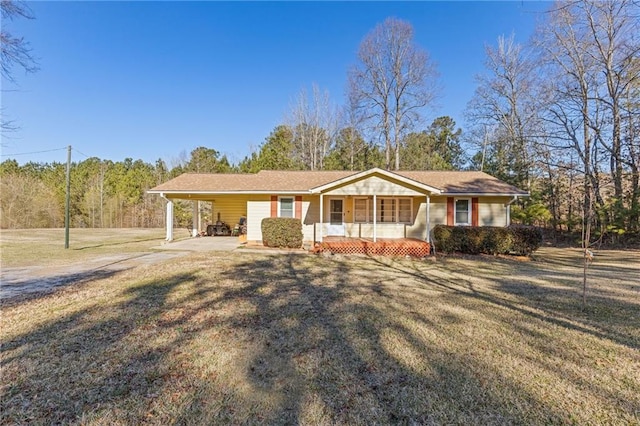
(474, 211)
(274, 206)
(450, 211)
(298, 206)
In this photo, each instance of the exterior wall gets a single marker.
(492, 212)
(230, 207)
(258, 207)
(375, 185)
(438, 211)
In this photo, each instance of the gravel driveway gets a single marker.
(33, 279)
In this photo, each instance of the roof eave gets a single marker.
(485, 194)
(238, 192)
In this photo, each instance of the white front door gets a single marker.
(336, 218)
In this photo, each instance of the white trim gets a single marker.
(327, 207)
(455, 211)
(428, 239)
(194, 219)
(375, 224)
(321, 214)
(293, 205)
(249, 192)
(366, 173)
(481, 194)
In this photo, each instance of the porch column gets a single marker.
(169, 223)
(321, 214)
(428, 219)
(195, 214)
(375, 218)
(199, 217)
(508, 215)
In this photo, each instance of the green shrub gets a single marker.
(526, 239)
(521, 240)
(281, 232)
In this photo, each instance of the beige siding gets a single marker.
(258, 207)
(310, 215)
(374, 185)
(492, 211)
(438, 211)
(230, 208)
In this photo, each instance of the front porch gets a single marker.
(381, 247)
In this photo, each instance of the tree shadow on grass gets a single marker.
(327, 351)
(87, 362)
(265, 339)
(14, 291)
(604, 317)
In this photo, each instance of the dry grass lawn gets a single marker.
(28, 247)
(243, 338)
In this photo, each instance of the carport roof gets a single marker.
(276, 181)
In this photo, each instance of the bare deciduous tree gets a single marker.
(504, 100)
(14, 51)
(392, 83)
(314, 124)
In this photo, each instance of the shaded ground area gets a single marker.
(250, 338)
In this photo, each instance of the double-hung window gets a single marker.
(404, 210)
(386, 210)
(463, 211)
(286, 207)
(361, 210)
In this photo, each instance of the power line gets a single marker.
(33, 152)
(81, 153)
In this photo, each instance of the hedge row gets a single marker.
(281, 232)
(519, 240)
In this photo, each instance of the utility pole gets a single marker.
(66, 208)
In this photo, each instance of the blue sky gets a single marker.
(148, 80)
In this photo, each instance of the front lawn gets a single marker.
(259, 338)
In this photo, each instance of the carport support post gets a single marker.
(194, 220)
(169, 220)
(199, 225)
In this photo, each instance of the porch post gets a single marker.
(375, 219)
(169, 219)
(428, 219)
(321, 214)
(508, 215)
(199, 217)
(194, 216)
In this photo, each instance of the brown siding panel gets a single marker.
(298, 207)
(474, 211)
(450, 211)
(274, 206)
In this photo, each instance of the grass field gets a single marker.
(237, 338)
(28, 247)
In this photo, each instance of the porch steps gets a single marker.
(382, 247)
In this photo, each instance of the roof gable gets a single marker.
(384, 174)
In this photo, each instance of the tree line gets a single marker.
(558, 116)
(112, 194)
